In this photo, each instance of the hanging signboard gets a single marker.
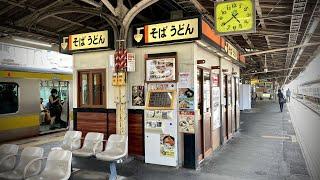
(231, 50)
(85, 41)
(187, 29)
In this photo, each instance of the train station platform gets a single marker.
(266, 147)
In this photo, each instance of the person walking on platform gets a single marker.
(288, 94)
(281, 99)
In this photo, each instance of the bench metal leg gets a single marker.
(113, 171)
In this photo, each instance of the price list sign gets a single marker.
(160, 100)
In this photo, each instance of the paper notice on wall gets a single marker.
(167, 145)
(186, 121)
(184, 80)
(216, 107)
(131, 62)
(111, 62)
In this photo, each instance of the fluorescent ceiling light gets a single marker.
(212, 49)
(29, 41)
(220, 54)
(202, 44)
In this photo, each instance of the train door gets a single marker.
(61, 109)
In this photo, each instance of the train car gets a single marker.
(20, 92)
(309, 94)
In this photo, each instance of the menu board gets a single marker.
(161, 69)
(160, 99)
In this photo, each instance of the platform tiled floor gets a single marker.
(265, 148)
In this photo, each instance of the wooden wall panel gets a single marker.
(112, 129)
(136, 132)
(104, 121)
(92, 122)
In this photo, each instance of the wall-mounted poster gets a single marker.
(186, 121)
(137, 95)
(167, 145)
(186, 98)
(216, 107)
(161, 69)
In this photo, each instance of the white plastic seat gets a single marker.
(72, 140)
(29, 164)
(58, 166)
(93, 143)
(116, 149)
(8, 156)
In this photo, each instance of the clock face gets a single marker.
(234, 16)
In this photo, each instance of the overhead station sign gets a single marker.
(187, 29)
(85, 41)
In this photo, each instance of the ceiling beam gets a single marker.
(34, 10)
(70, 25)
(110, 7)
(75, 23)
(93, 3)
(282, 49)
(259, 12)
(270, 71)
(269, 6)
(280, 16)
(53, 37)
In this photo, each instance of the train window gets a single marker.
(9, 97)
(91, 88)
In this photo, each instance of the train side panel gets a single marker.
(25, 122)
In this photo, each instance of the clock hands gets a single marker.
(233, 16)
(236, 17)
(227, 21)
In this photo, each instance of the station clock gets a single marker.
(234, 17)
